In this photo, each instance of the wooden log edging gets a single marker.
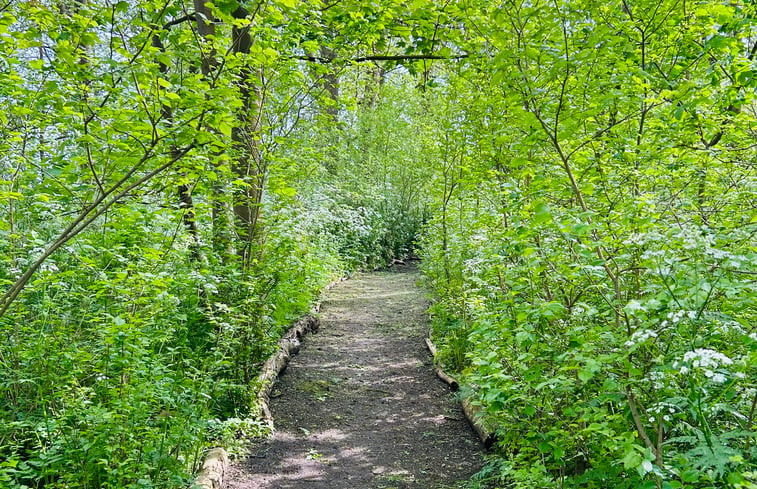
(213, 470)
(216, 461)
(289, 345)
(444, 376)
(472, 413)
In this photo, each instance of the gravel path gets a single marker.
(360, 406)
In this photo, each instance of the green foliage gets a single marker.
(154, 242)
(592, 242)
(579, 176)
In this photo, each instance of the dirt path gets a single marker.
(360, 407)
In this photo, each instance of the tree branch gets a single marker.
(637, 421)
(361, 59)
(180, 20)
(85, 218)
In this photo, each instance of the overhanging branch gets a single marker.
(362, 59)
(180, 20)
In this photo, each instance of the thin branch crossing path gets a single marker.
(360, 406)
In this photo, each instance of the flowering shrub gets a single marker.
(668, 395)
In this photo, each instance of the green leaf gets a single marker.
(586, 374)
(632, 460)
(224, 127)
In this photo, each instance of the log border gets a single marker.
(216, 461)
(472, 413)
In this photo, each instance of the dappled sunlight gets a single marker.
(360, 407)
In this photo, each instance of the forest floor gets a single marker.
(360, 406)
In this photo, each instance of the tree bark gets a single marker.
(221, 224)
(248, 166)
(184, 190)
(331, 85)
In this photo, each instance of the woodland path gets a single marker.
(360, 406)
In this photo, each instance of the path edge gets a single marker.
(472, 413)
(216, 461)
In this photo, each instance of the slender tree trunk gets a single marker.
(379, 78)
(248, 166)
(221, 236)
(206, 29)
(184, 190)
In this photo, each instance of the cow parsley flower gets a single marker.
(640, 337)
(657, 379)
(706, 358)
(717, 253)
(676, 317)
(718, 378)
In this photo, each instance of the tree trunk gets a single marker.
(248, 166)
(184, 190)
(206, 30)
(331, 85)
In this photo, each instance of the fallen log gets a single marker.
(448, 379)
(289, 345)
(473, 414)
(431, 347)
(216, 461)
(213, 470)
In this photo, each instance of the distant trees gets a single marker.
(178, 180)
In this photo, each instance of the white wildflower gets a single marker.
(657, 378)
(716, 253)
(665, 271)
(705, 358)
(652, 254)
(634, 306)
(676, 317)
(640, 337)
(718, 378)
(635, 239)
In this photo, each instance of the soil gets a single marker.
(360, 406)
